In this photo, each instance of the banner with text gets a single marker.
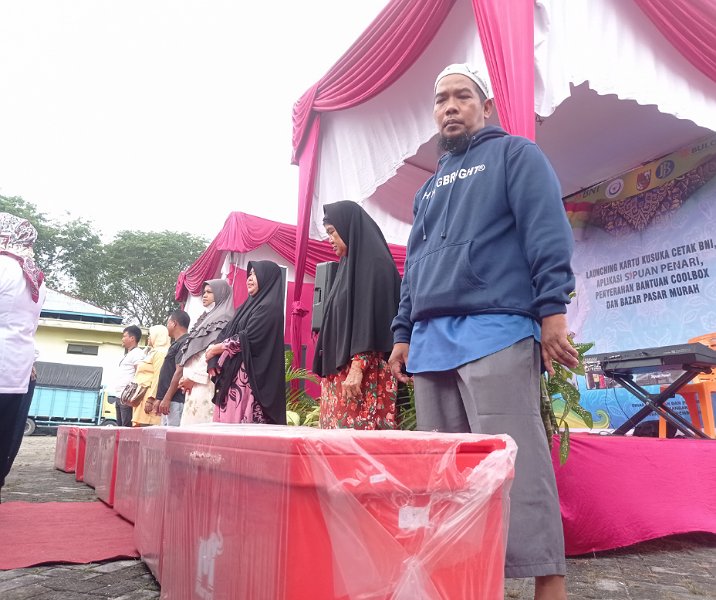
(646, 268)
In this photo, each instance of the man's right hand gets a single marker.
(397, 361)
(163, 407)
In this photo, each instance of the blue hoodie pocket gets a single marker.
(443, 282)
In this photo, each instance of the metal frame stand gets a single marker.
(656, 403)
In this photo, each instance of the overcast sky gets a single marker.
(161, 114)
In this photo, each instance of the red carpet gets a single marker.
(62, 532)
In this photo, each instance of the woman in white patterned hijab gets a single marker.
(17, 236)
(21, 296)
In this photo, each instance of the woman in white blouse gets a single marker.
(22, 292)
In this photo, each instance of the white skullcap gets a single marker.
(467, 71)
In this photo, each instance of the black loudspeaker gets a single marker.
(325, 276)
(284, 285)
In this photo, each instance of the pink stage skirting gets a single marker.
(616, 491)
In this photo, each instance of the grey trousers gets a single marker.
(174, 417)
(500, 394)
(124, 414)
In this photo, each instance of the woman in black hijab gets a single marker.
(247, 363)
(357, 388)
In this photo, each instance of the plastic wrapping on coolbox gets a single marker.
(149, 518)
(92, 463)
(107, 472)
(81, 451)
(287, 513)
(66, 448)
(126, 485)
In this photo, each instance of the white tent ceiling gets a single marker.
(612, 92)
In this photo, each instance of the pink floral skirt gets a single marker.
(241, 406)
(376, 408)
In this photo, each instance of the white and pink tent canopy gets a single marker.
(614, 83)
(244, 238)
(247, 237)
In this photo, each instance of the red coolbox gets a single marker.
(92, 464)
(81, 451)
(66, 448)
(126, 485)
(288, 513)
(149, 519)
(107, 471)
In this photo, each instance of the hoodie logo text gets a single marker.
(451, 177)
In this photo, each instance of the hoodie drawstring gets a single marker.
(443, 233)
(430, 197)
(481, 136)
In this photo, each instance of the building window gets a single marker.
(82, 349)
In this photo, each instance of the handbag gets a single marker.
(133, 394)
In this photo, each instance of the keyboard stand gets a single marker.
(656, 402)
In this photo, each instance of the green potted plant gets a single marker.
(301, 407)
(560, 386)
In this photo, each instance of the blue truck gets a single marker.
(68, 395)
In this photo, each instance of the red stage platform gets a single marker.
(617, 491)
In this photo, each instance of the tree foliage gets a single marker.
(64, 250)
(133, 275)
(140, 272)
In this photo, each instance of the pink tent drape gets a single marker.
(241, 233)
(690, 26)
(390, 45)
(507, 36)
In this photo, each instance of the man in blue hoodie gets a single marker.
(483, 302)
